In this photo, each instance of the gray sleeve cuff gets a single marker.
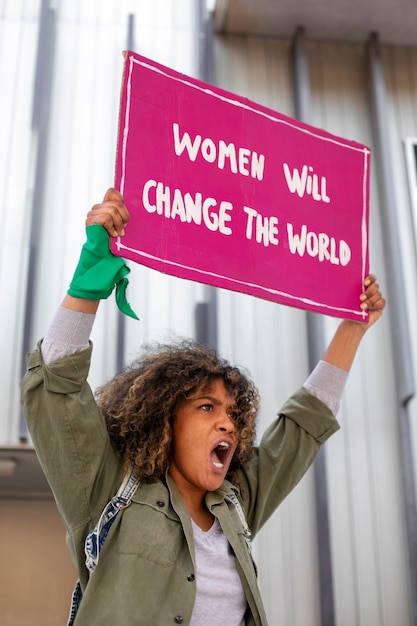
(68, 333)
(327, 383)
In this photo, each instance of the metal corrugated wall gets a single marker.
(56, 163)
(18, 39)
(368, 536)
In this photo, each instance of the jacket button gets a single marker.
(160, 503)
(190, 578)
(179, 619)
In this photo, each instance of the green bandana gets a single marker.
(99, 271)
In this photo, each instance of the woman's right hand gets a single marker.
(111, 213)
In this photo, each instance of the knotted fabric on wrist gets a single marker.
(99, 271)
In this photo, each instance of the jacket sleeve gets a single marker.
(287, 449)
(70, 436)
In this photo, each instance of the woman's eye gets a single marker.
(206, 407)
(233, 415)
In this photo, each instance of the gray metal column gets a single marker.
(121, 319)
(316, 346)
(396, 290)
(40, 129)
(206, 318)
(205, 43)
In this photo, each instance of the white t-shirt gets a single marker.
(220, 598)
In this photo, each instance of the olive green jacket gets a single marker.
(146, 572)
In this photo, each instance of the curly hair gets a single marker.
(140, 403)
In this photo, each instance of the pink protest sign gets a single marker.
(230, 193)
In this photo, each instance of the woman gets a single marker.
(183, 421)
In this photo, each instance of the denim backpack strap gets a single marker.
(95, 540)
(246, 530)
(77, 596)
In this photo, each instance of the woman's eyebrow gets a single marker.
(206, 397)
(214, 400)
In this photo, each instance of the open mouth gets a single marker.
(220, 454)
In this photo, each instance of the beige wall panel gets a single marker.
(37, 576)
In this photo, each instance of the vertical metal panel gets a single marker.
(400, 73)
(401, 345)
(40, 128)
(271, 342)
(205, 42)
(316, 346)
(121, 319)
(206, 312)
(396, 288)
(365, 460)
(18, 40)
(90, 38)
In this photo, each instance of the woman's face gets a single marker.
(205, 438)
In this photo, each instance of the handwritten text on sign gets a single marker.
(229, 193)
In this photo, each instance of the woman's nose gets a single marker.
(226, 424)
